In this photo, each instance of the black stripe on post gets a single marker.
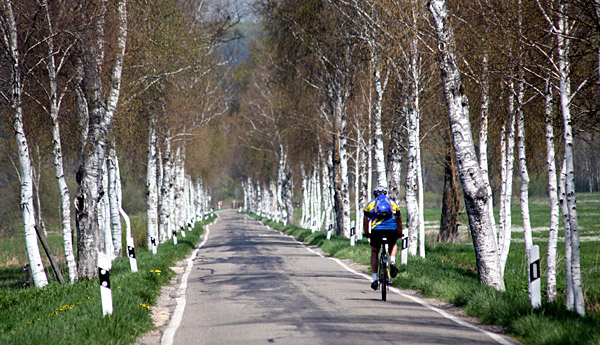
(131, 252)
(103, 274)
(534, 270)
(404, 243)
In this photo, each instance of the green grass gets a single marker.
(13, 254)
(449, 274)
(72, 313)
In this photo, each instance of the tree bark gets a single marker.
(505, 234)
(10, 37)
(483, 137)
(552, 196)
(450, 202)
(569, 294)
(474, 188)
(114, 202)
(151, 185)
(410, 196)
(565, 104)
(394, 160)
(100, 112)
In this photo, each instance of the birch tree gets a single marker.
(114, 181)
(561, 27)
(552, 195)
(55, 98)
(151, 184)
(474, 188)
(100, 111)
(562, 32)
(11, 47)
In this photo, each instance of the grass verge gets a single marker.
(72, 313)
(449, 274)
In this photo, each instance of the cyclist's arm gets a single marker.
(399, 223)
(366, 226)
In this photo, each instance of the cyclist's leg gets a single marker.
(374, 258)
(393, 248)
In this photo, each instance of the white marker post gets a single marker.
(175, 237)
(534, 277)
(182, 230)
(131, 254)
(154, 245)
(404, 252)
(330, 229)
(352, 233)
(105, 293)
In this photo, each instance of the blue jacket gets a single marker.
(381, 224)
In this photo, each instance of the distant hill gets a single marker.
(236, 51)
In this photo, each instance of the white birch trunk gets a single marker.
(305, 221)
(101, 112)
(281, 205)
(565, 104)
(474, 188)
(166, 193)
(552, 197)
(506, 231)
(528, 238)
(483, 138)
(569, 294)
(327, 178)
(104, 220)
(378, 152)
(65, 203)
(394, 162)
(420, 202)
(358, 180)
(415, 77)
(54, 108)
(502, 210)
(179, 188)
(317, 205)
(114, 201)
(151, 186)
(10, 38)
(411, 187)
(524, 182)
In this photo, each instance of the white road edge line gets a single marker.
(451, 317)
(169, 334)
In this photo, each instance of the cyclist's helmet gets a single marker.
(379, 190)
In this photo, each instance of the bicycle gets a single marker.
(384, 278)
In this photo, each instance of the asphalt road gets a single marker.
(253, 285)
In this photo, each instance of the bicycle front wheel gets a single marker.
(383, 279)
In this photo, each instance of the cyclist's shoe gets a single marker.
(375, 285)
(393, 270)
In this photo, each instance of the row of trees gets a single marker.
(336, 82)
(111, 72)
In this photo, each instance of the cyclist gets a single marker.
(383, 224)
